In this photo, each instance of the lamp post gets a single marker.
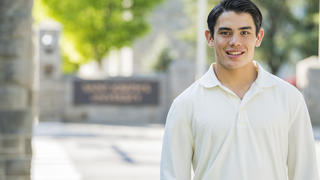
(201, 58)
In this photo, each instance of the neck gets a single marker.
(238, 80)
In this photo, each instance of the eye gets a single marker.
(245, 33)
(225, 33)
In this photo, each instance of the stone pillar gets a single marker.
(16, 89)
(308, 73)
(51, 89)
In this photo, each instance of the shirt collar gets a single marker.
(264, 78)
(209, 79)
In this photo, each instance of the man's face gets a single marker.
(234, 40)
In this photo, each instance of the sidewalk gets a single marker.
(96, 152)
(100, 152)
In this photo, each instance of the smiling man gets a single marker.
(238, 122)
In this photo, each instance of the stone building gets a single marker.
(169, 23)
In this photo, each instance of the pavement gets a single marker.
(70, 151)
(96, 152)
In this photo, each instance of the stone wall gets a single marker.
(57, 99)
(16, 89)
(117, 114)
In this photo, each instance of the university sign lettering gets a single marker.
(115, 92)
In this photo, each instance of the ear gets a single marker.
(259, 37)
(209, 38)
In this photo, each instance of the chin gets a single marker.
(234, 64)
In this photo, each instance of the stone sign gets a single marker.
(115, 92)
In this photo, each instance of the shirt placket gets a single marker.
(235, 102)
(242, 120)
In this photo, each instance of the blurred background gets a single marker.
(85, 86)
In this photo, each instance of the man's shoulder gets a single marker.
(284, 86)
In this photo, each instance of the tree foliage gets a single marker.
(163, 61)
(95, 27)
(308, 39)
(291, 33)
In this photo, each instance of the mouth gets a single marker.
(234, 53)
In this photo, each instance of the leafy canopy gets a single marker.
(93, 28)
(291, 31)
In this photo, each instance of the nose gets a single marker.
(235, 40)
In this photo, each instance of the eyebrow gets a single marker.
(224, 29)
(229, 29)
(246, 27)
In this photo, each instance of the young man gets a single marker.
(238, 122)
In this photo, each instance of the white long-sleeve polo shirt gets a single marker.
(265, 136)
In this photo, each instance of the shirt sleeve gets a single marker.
(302, 161)
(177, 147)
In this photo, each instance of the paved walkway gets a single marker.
(100, 152)
(96, 152)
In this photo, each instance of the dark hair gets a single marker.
(238, 6)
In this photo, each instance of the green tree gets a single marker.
(95, 27)
(291, 33)
(307, 40)
(164, 60)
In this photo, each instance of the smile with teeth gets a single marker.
(235, 53)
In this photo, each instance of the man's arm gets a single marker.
(302, 161)
(177, 147)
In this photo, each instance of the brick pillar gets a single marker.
(16, 89)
